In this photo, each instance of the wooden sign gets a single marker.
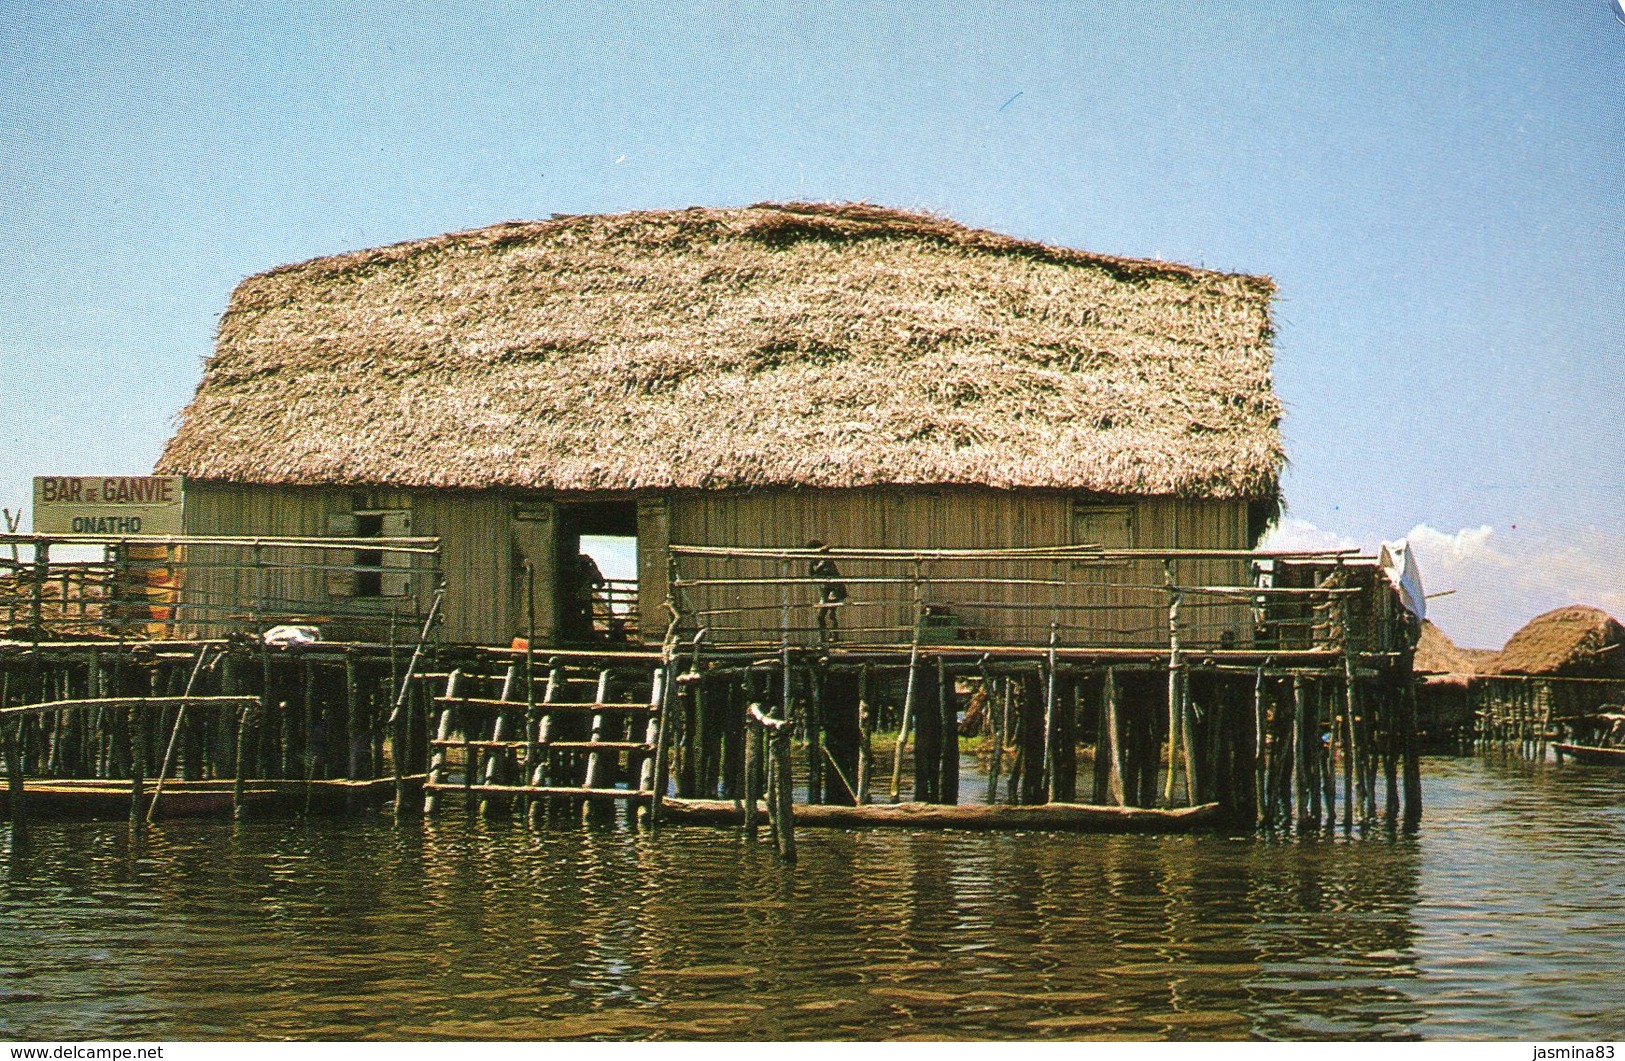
(107, 504)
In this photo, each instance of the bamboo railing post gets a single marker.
(36, 602)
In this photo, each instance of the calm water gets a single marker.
(1504, 918)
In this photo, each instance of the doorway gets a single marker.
(598, 572)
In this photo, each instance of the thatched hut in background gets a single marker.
(1572, 642)
(760, 376)
(1553, 675)
(1445, 673)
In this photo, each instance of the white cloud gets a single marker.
(1500, 578)
(1293, 533)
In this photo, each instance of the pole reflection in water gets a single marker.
(1486, 924)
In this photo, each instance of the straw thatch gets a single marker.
(798, 344)
(1576, 641)
(1436, 654)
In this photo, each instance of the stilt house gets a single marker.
(758, 378)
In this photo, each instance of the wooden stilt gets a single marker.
(1260, 750)
(1047, 762)
(815, 735)
(866, 730)
(908, 715)
(1176, 712)
(1112, 737)
(1412, 765)
(1326, 748)
(948, 760)
(753, 770)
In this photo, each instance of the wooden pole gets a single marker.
(1049, 718)
(137, 731)
(239, 802)
(595, 758)
(1412, 766)
(174, 734)
(908, 715)
(533, 722)
(998, 706)
(437, 757)
(948, 759)
(1112, 737)
(496, 759)
(1326, 757)
(787, 820)
(1175, 715)
(781, 785)
(1260, 750)
(866, 731)
(753, 770)
(665, 732)
(1300, 750)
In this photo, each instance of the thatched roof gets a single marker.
(1437, 654)
(1576, 641)
(796, 344)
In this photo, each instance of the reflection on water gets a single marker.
(1503, 918)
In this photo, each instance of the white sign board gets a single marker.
(107, 504)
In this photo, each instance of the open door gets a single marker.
(534, 592)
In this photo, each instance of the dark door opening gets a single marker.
(598, 572)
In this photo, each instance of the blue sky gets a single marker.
(1436, 188)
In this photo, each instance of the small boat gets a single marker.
(1590, 754)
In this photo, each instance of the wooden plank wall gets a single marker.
(957, 518)
(477, 552)
(483, 548)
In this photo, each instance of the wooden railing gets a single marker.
(87, 586)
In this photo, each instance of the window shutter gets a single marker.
(396, 578)
(339, 583)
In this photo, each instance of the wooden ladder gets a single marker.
(585, 739)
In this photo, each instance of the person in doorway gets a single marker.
(586, 582)
(831, 593)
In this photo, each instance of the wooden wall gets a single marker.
(964, 518)
(486, 536)
(479, 555)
